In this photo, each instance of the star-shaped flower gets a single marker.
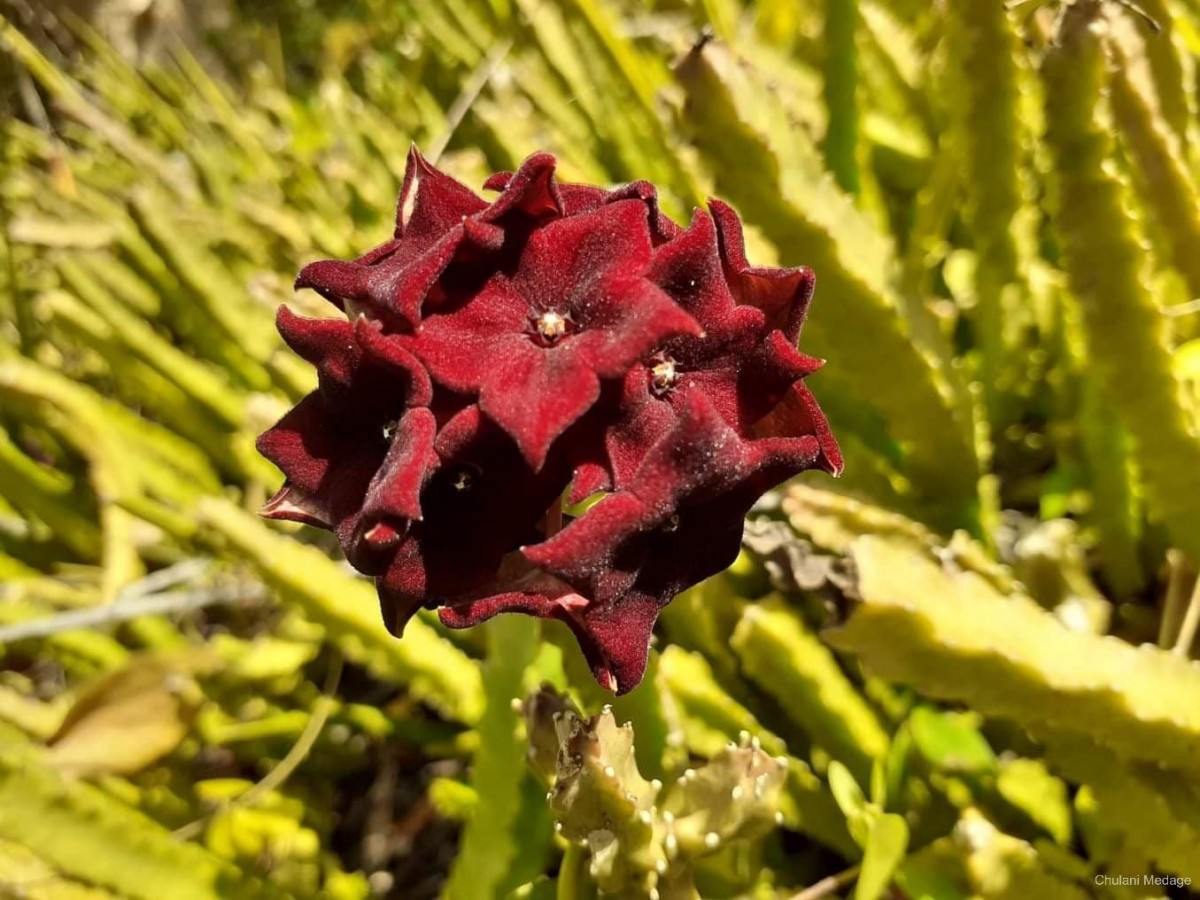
(535, 341)
(744, 364)
(333, 442)
(481, 504)
(678, 522)
(559, 337)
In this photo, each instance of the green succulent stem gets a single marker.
(572, 874)
(1108, 268)
(841, 85)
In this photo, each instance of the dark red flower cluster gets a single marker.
(500, 363)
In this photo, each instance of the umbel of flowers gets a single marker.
(499, 363)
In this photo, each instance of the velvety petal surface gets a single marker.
(782, 294)
(498, 358)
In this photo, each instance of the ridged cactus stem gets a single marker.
(571, 883)
(1106, 262)
(990, 134)
(1171, 67)
(840, 63)
(1168, 186)
(643, 837)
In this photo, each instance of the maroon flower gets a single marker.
(483, 502)
(332, 444)
(744, 364)
(563, 337)
(535, 340)
(677, 522)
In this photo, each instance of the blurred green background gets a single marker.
(975, 649)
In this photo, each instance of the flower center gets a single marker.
(463, 480)
(663, 376)
(672, 524)
(550, 326)
(389, 430)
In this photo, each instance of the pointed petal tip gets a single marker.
(701, 218)
(289, 504)
(483, 234)
(333, 279)
(532, 189)
(539, 159)
(396, 608)
(284, 317)
(831, 458)
(382, 536)
(497, 182)
(806, 284)
(717, 206)
(417, 160)
(310, 275)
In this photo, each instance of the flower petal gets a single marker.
(328, 344)
(625, 320)
(782, 294)
(536, 395)
(614, 638)
(395, 491)
(799, 415)
(397, 607)
(335, 280)
(300, 445)
(563, 261)
(531, 192)
(398, 288)
(290, 504)
(392, 289)
(387, 354)
(662, 229)
(641, 420)
(430, 204)
(462, 344)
